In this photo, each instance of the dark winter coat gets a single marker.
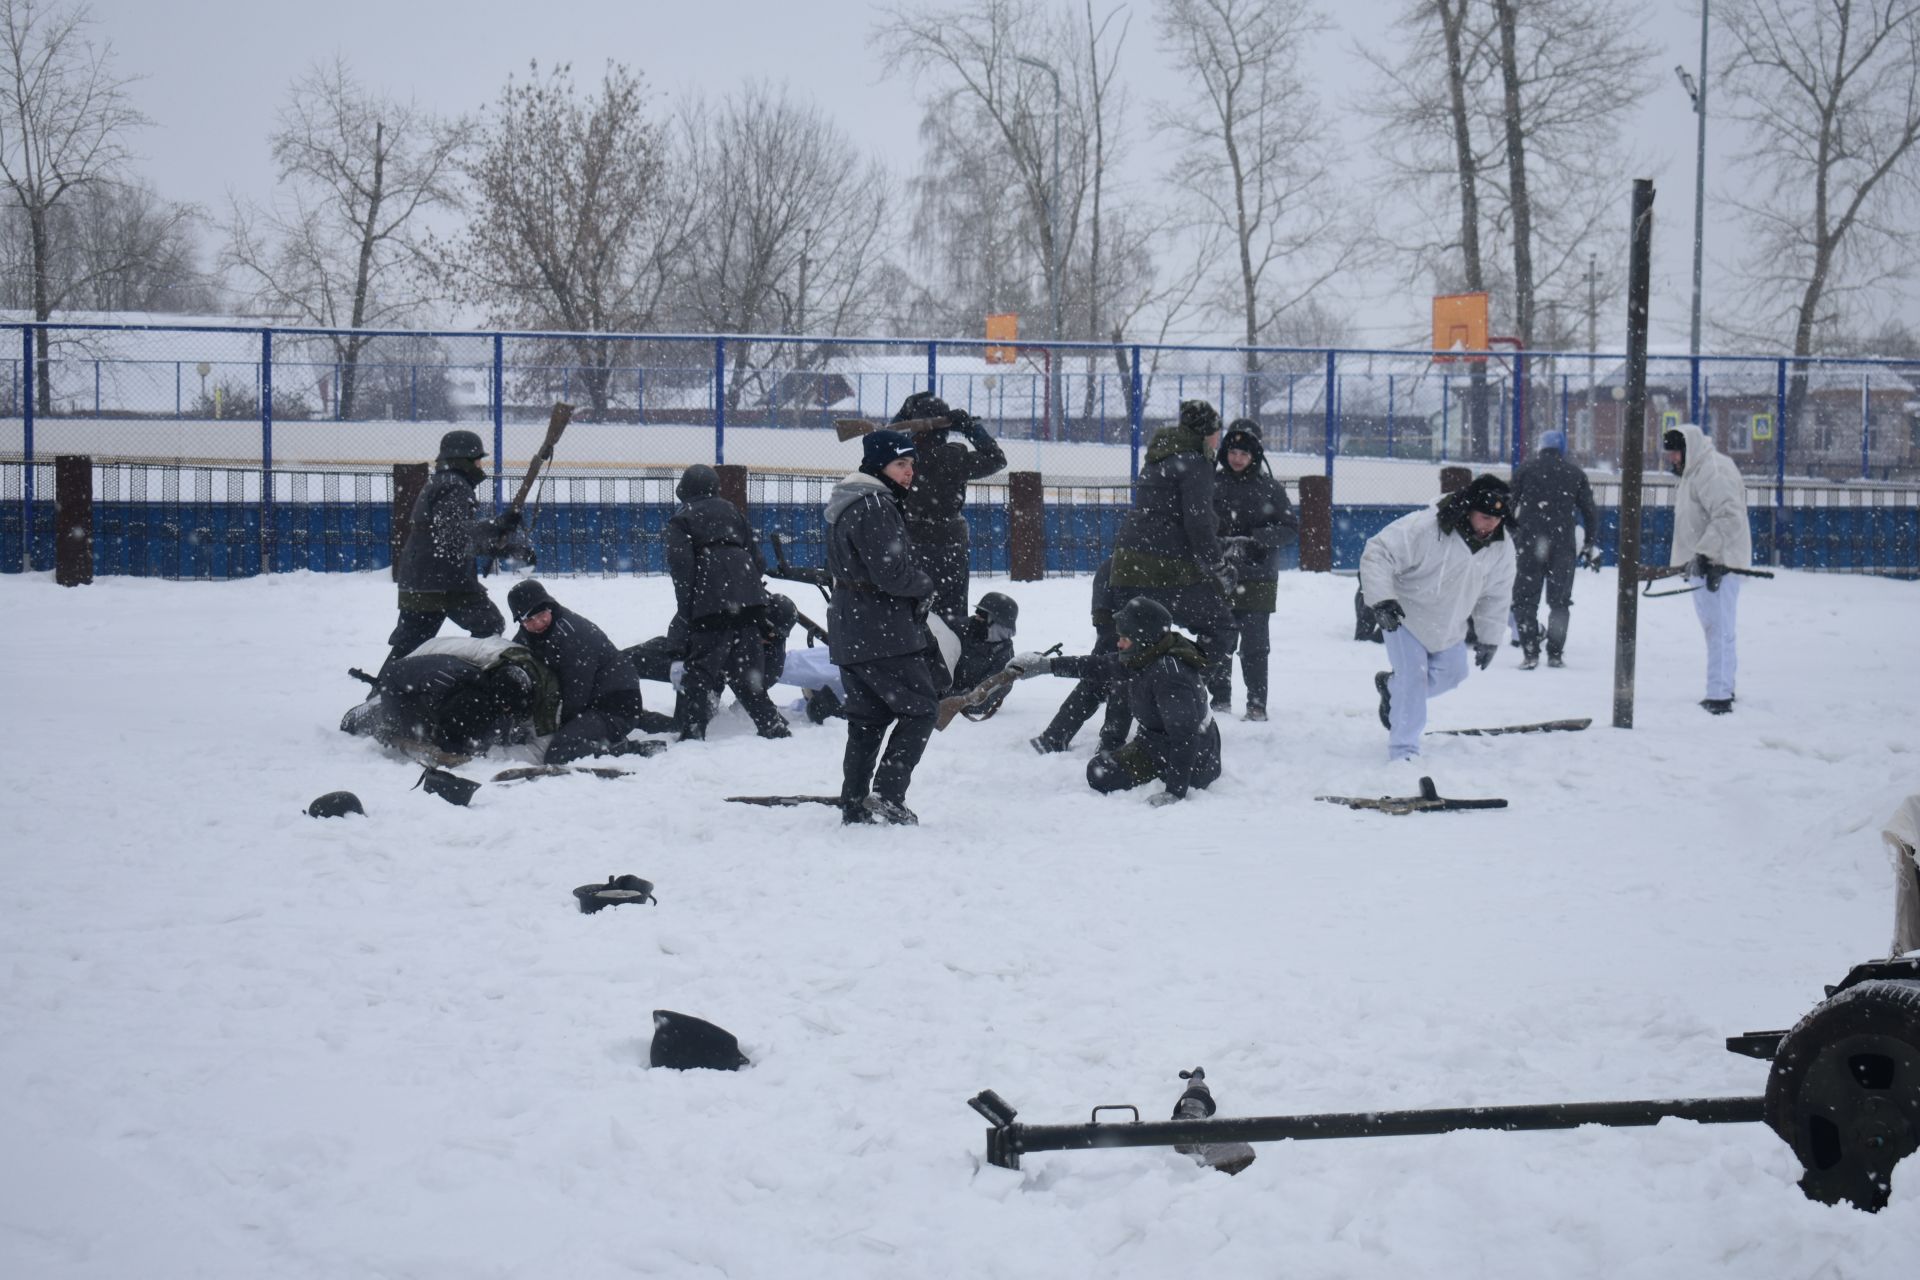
(442, 694)
(715, 562)
(876, 584)
(446, 534)
(942, 466)
(1167, 693)
(1252, 504)
(1549, 494)
(1104, 605)
(1170, 538)
(593, 674)
(979, 656)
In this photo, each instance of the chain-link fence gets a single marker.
(1831, 447)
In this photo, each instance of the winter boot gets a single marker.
(890, 812)
(1555, 660)
(1256, 713)
(1530, 657)
(1380, 680)
(822, 704)
(1717, 706)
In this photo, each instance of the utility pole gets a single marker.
(1697, 92)
(1054, 407)
(1633, 430)
(1593, 337)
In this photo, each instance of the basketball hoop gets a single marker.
(1460, 326)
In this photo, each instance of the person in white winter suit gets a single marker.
(1425, 575)
(1710, 536)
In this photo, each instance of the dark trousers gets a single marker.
(887, 691)
(1144, 759)
(478, 614)
(947, 563)
(588, 734)
(1085, 699)
(1199, 608)
(1550, 564)
(730, 657)
(1256, 642)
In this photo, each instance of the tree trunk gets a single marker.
(1523, 304)
(42, 309)
(349, 368)
(1451, 24)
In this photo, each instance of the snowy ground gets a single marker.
(238, 1042)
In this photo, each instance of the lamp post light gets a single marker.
(1054, 406)
(1698, 93)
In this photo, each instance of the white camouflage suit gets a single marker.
(1440, 582)
(1710, 519)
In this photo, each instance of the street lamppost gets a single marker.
(1054, 406)
(1698, 92)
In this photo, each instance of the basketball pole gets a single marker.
(1633, 432)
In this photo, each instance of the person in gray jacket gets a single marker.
(437, 576)
(714, 558)
(876, 632)
(1710, 536)
(1165, 677)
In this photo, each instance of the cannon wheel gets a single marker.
(1845, 1091)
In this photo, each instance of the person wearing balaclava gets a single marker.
(932, 504)
(1710, 536)
(713, 556)
(1168, 548)
(1426, 576)
(437, 573)
(1549, 494)
(876, 632)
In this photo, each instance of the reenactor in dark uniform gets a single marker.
(714, 558)
(1101, 685)
(437, 575)
(1256, 521)
(1549, 493)
(460, 696)
(599, 692)
(1168, 548)
(942, 466)
(877, 634)
(1165, 674)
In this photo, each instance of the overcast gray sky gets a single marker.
(215, 72)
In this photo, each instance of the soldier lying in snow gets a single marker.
(460, 696)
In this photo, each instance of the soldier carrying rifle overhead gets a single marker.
(438, 576)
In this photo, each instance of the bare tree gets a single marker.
(340, 247)
(1829, 91)
(791, 231)
(578, 222)
(114, 246)
(64, 121)
(1256, 156)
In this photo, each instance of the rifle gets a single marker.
(854, 428)
(517, 545)
(986, 693)
(1651, 574)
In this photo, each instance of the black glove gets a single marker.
(1483, 655)
(1389, 614)
(921, 608)
(1590, 555)
(1228, 579)
(1697, 567)
(509, 520)
(1715, 572)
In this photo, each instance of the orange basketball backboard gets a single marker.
(1002, 328)
(1459, 324)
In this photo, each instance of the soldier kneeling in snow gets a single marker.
(460, 696)
(1165, 681)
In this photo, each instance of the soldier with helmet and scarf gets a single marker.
(942, 467)
(437, 574)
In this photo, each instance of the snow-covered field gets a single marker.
(239, 1042)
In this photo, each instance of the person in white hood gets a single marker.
(1426, 575)
(1710, 536)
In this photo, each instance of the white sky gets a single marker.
(215, 71)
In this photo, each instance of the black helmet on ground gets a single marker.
(681, 1042)
(461, 446)
(335, 804)
(1142, 621)
(697, 481)
(450, 787)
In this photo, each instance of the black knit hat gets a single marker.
(883, 446)
(1142, 620)
(1675, 440)
(1488, 494)
(1199, 417)
(528, 597)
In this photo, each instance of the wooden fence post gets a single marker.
(72, 520)
(409, 478)
(1453, 479)
(733, 484)
(1026, 527)
(1316, 524)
